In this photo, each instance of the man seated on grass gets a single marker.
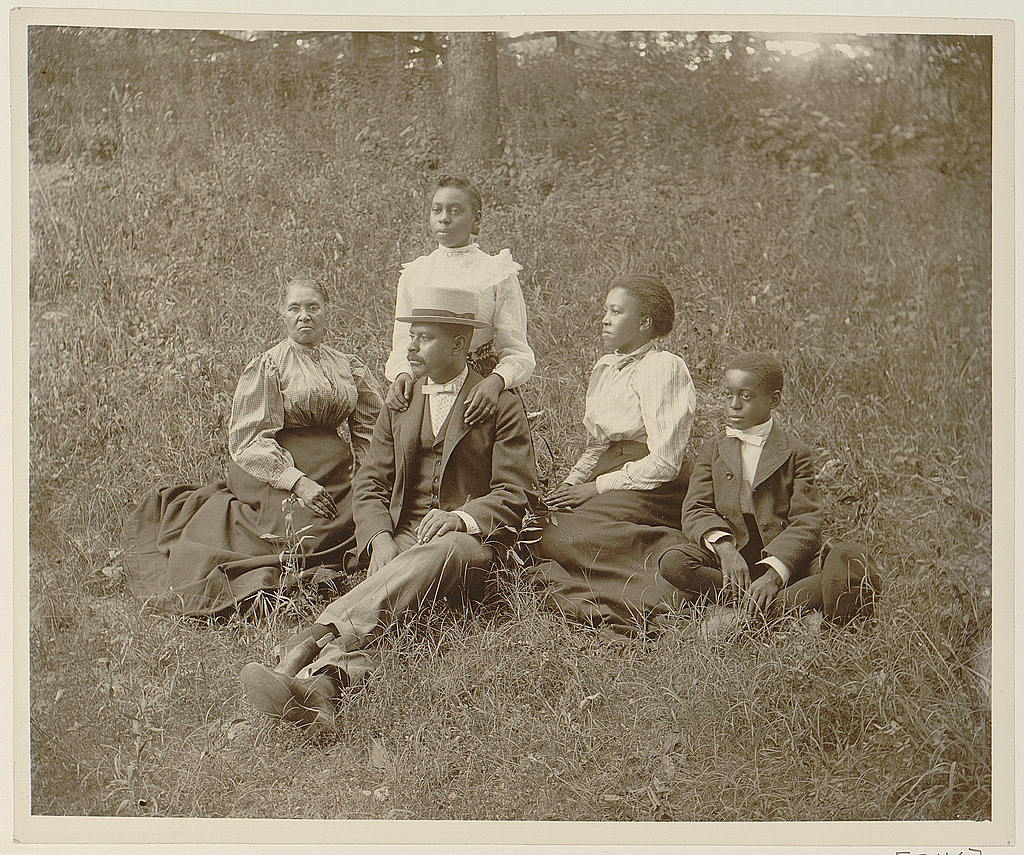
(432, 497)
(752, 516)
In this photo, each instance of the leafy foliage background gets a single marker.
(834, 210)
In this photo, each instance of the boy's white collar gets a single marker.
(762, 429)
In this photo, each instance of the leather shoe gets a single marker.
(850, 579)
(296, 652)
(304, 702)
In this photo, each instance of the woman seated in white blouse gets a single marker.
(623, 497)
(203, 550)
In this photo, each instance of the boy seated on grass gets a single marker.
(752, 516)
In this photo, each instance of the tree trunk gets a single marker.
(566, 51)
(399, 55)
(360, 43)
(430, 50)
(738, 49)
(473, 99)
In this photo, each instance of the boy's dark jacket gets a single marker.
(487, 470)
(786, 502)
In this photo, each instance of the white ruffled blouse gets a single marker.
(495, 282)
(293, 385)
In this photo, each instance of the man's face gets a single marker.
(434, 350)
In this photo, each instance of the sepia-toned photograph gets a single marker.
(560, 425)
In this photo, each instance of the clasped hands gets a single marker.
(756, 595)
(481, 403)
(383, 548)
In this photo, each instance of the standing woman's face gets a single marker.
(452, 217)
(305, 314)
(623, 328)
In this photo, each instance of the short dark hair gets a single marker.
(653, 300)
(764, 366)
(466, 185)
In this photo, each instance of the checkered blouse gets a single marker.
(295, 386)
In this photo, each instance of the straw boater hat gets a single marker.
(445, 306)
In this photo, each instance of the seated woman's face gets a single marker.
(304, 314)
(623, 328)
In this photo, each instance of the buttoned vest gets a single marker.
(424, 477)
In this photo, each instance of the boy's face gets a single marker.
(452, 217)
(747, 402)
(434, 351)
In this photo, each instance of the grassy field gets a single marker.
(154, 269)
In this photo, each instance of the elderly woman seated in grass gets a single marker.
(203, 550)
(620, 503)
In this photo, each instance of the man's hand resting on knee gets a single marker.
(438, 522)
(383, 549)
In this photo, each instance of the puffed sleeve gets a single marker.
(397, 362)
(597, 442)
(367, 408)
(667, 404)
(515, 356)
(257, 414)
(583, 467)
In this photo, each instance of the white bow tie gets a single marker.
(434, 388)
(749, 438)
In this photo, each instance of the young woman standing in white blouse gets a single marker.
(623, 496)
(500, 351)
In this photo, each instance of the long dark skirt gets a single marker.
(598, 563)
(202, 551)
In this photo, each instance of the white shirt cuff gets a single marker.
(506, 373)
(369, 540)
(471, 526)
(778, 566)
(610, 481)
(715, 535)
(391, 372)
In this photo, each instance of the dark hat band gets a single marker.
(443, 313)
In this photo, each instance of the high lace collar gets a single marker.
(456, 251)
(312, 351)
(617, 359)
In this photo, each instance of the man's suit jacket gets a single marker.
(487, 470)
(786, 502)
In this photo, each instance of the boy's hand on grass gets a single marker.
(483, 400)
(762, 591)
(568, 496)
(383, 549)
(734, 569)
(399, 393)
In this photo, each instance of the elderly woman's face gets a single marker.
(304, 314)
